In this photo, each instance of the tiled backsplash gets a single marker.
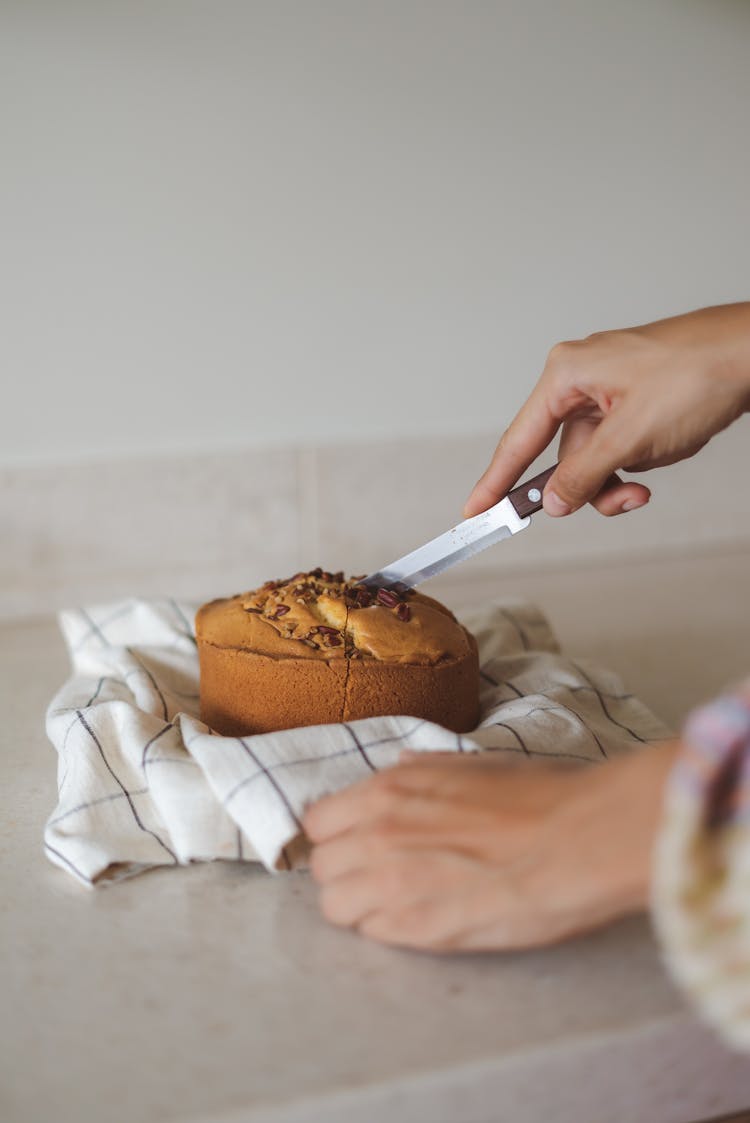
(202, 525)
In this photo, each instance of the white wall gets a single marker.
(241, 223)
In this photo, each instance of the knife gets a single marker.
(466, 539)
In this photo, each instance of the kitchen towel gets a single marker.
(143, 782)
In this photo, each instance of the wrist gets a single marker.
(732, 362)
(630, 797)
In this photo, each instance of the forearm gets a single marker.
(722, 335)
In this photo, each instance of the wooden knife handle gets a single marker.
(527, 497)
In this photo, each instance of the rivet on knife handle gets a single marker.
(527, 497)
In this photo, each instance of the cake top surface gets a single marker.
(325, 615)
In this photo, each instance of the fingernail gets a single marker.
(632, 504)
(554, 505)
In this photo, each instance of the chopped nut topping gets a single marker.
(359, 597)
(319, 595)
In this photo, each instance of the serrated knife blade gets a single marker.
(463, 541)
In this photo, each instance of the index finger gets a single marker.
(343, 810)
(338, 812)
(532, 429)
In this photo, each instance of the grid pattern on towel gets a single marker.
(143, 782)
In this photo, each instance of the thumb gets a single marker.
(582, 473)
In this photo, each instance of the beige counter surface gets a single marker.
(217, 993)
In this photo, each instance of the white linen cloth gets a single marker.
(143, 782)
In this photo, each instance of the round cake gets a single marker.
(317, 648)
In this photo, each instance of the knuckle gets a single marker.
(317, 864)
(385, 781)
(418, 925)
(397, 881)
(310, 821)
(502, 444)
(332, 906)
(511, 443)
(314, 864)
(380, 800)
(562, 355)
(569, 485)
(383, 833)
(385, 792)
(608, 450)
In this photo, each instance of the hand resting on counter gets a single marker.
(467, 852)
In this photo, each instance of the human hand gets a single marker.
(469, 852)
(634, 399)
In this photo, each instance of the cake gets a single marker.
(318, 648)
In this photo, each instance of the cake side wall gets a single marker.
(243, 693)
(447, 694)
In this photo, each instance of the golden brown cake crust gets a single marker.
(309, 617)
(316, 649)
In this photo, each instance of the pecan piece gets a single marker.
(403, 612)
(388, 598)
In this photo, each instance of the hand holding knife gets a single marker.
(469, 537)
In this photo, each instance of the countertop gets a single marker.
(216, 992)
